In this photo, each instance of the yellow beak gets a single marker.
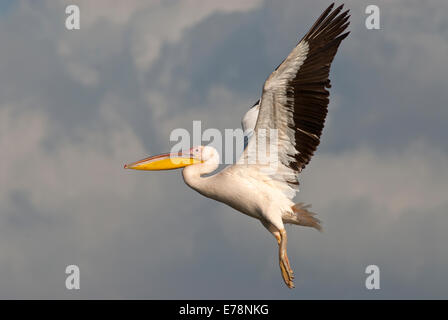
(166, 161)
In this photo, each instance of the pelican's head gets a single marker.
(170, 161)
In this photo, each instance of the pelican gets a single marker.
(293, 105)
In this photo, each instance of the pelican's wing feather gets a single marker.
(294, 100)
(249, 121)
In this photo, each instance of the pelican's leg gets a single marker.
(287, 273)
(280, 236)
(279, 239)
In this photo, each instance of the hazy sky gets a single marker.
(76, 105)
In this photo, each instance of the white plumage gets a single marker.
(282, 129)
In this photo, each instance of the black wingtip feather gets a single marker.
(311, 82)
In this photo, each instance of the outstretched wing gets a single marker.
(295, 97)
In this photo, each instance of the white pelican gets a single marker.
(294, 103)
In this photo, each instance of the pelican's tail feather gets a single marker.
(302, 217)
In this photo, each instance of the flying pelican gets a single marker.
(294, 104)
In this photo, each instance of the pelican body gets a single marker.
(294, 104)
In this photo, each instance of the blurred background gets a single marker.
(76, 105)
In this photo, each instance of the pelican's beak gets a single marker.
(167, 161)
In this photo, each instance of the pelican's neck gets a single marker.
(193, 175)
